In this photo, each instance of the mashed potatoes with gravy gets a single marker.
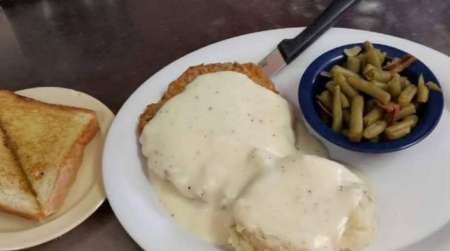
(304, 203)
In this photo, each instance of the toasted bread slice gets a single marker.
(16, 195)
(48, 141)
(253, 71)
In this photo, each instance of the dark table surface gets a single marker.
(107, 48)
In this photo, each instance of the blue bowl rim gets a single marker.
(306, 103)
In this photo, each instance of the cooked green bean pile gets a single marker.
(368, 98)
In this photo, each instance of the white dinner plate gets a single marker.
(85, 195)
(412, 187)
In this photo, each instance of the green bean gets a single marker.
(356, 118)
(375, 129)
(423, 92)
(346, 117)
(382, 56)
(407, 95)
(344, 100)
(325, 99)
(394, 86)
(370, 72)
(353, 64)
(411, 119)
(331, 85)
(404, 81)
(406, 123)
(420, 80)
(373, 59)
(433, 86)
(374, 115)
(337, 109)
(398, 134)
(352, 52)
(343, 71)
(363, 59)
(367, 45)
(368, 99)
(380, 84)
(369, 89)
(405, 111)
(346, 88)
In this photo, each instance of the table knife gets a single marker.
(288, 49)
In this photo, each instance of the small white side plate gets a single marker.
(86, 194)
(412, 187)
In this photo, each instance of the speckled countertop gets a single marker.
(107, 48)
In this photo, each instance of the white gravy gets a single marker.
(206, 145)
(218, 125)
(204, 219)
(304, 201)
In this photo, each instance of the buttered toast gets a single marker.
(253, 71)
(16, 196)
(48, 141)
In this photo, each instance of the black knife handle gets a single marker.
(291, 48)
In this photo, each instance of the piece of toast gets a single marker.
(253, 71)
(48, 141)
(16, 196)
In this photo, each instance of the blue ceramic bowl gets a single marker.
(312, 83)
